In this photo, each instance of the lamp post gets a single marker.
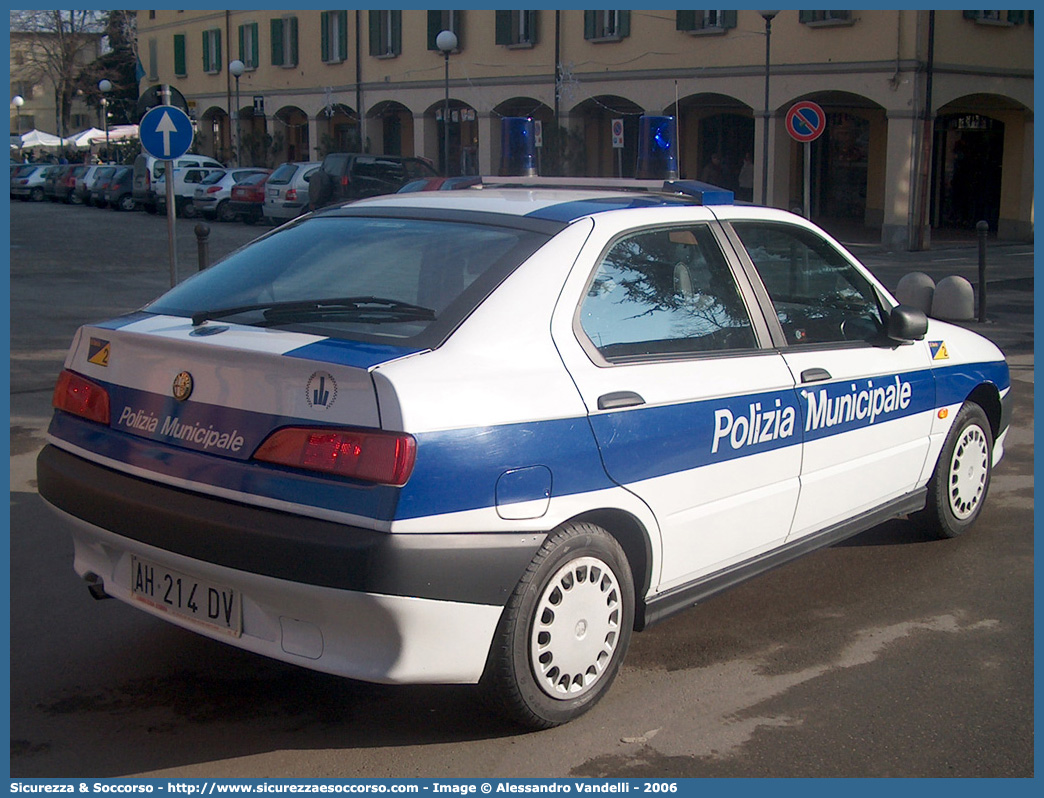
(105, 86)
(446, 41)
(18, 101)
(237, 68)
(768, 17)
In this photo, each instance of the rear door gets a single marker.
(693, 411)
(867, 405)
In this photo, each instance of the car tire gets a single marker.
(126, 203)
(36, 195)
(223, 213)
(564, 632)
(961, 478)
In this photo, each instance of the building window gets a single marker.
(179, 55)
(516, 28)
(284, 41)
(824, 19)
(153, 61)
(248, 45)
(1003, 18)
(212, 50)
(385, 33)
(334, 36)
(607, 26)
(438, 21)
(705, 21)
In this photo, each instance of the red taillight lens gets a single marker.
(386, 458)
(291, 195)
(214, 189)
(81, 397)
(345, 180)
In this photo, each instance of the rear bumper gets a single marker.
(474, 568)
(393, 608)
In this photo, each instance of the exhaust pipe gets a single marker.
(96, 587)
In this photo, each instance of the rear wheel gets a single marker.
(565, 630)
(224, 213)
(961, 478)
(126, 203)
(37, 194)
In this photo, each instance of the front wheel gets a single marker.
(564, 631)
(961, 478)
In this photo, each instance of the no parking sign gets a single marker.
(805, 121)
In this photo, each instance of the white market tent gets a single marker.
(85, 138)
(37, 138)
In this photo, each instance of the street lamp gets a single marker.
(767, 16)
(237, 68)
(105, 86)
(18, 101)
(446, 41)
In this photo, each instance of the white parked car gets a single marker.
(213, 192)
(27, 182)
(481, 436)
(286, 192)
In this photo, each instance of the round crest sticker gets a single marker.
(182, 388)
(321, 391)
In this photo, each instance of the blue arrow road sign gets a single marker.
(165, 132)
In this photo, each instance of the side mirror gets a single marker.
(907, 324)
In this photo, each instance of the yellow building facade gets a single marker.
(929, 115)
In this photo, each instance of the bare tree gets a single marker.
(57, 46)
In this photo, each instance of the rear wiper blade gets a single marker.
(310, 307)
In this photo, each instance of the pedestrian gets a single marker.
(320, 189)
(712, 172)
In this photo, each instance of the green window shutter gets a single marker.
(1016, 17)
(685, 20)
(179, 54)
(534, 19)
(434, 28)
(217, 51)
(967, 14)
(324, 26)
(342, 35)
(206, 51)
(375, 33)
(293, 42)
(503, 27)
(396, 21)
(729, 19)
(589, 24)
(278, 57)
(625, 24)
(806, 16)
(255, 45)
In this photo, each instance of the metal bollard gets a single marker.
(982, 228)
(203, 245)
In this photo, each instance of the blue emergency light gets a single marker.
(657, 148)
(517, 146)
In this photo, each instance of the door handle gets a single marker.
(618, 399)
(815, 375)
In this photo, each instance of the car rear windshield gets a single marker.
(283, 175)
(212, 178)
(403, 281)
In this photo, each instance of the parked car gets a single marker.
(120, 192)
(81, 191)
(148, 169)
(184, 189)
(355, 175)
(28, 182)
(214, 192)
(247, 201)
(67, 185)
(99, 185)
(55, 179)
(481, 436)
(286, 193)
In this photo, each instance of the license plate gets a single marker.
(273, 192)
(186, 596)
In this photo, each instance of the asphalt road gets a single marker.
(889, 655)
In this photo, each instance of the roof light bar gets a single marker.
(704, 193)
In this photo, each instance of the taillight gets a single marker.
(345, 180)
(386, 458)
(214, 189)
(81, 397)
(291, 195)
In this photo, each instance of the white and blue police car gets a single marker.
(481, 436)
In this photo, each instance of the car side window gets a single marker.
(665, 292)
(818, 295)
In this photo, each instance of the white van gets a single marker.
(148, 169)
